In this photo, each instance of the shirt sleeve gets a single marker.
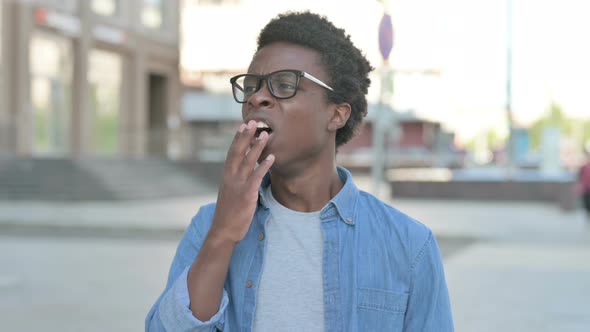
(171, 311)
(429, 307)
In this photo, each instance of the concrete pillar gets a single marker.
(81, 128)
(125, 107)
(175, 148)
(7, 132)
(20, 108)
(138, 109)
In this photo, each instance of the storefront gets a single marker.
(95, 78)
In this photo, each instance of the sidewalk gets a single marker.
(515, 266)
(165, 215)
(522, 221)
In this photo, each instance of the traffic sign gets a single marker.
(385, 36)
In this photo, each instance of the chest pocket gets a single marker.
(380, 310)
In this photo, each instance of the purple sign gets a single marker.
(385, 36)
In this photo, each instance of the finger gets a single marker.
(249, 162)
(240, 145)
(256, 178)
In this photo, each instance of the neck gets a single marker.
(306, 191)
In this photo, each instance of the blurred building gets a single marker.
(94, 78)
(218, 42)
(212, 115)
(412, 142)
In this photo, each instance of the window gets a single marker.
(104, 82)
(105, 7)
(152, 14)
(51, 58)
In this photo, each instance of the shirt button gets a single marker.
(249, 283)
(260, 236)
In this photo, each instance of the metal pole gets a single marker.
(510, 143)
(379, 125)
(378, 137)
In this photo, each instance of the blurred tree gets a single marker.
(585, 125)
(495, 139)
(557, 119)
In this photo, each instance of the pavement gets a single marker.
(510, 266)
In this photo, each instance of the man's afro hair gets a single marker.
(345, 64)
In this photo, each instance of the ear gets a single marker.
(339, 116)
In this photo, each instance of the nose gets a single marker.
(262, 97)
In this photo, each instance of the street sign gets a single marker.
(385, 36)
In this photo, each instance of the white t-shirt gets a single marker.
(290, 295)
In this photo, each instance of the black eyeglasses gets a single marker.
(282, 84)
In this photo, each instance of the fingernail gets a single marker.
(251, 124)
(270, 157)
(262, 135)
(242, 127)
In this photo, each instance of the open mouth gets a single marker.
(260, 127)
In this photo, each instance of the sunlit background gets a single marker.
(450, 67)
(115, 119)
(450, 61)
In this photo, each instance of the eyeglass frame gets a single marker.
(260, 78)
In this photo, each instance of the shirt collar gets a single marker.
(343, 204)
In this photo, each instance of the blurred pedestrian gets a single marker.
(292, 244)
(583, 185)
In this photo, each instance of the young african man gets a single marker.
(291, 243)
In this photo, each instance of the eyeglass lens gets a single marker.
(282, 84)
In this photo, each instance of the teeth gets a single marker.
(261, 124)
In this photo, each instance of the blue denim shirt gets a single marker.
(382, 271)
